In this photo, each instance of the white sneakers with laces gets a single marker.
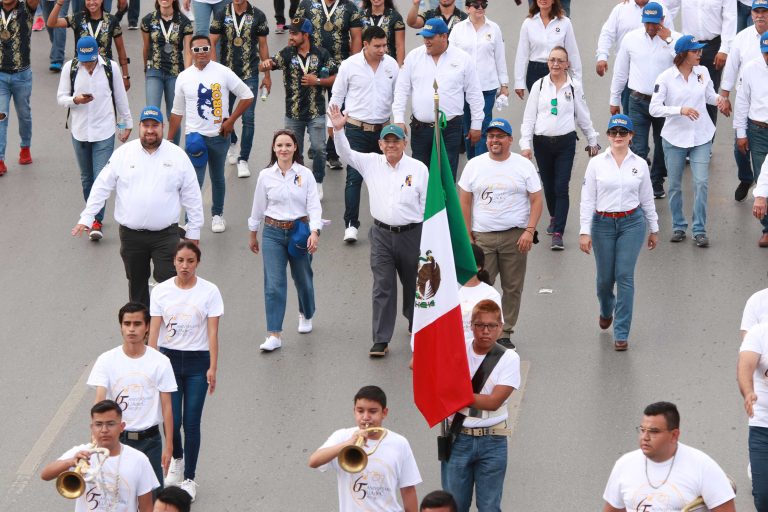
(175, 473)
(242, 169)
(350, 235)
(218, 224)
(233, 154)
(190, 487)
(305, 324)
(270, 344)
(320, 191)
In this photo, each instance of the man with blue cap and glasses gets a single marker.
(152, 179)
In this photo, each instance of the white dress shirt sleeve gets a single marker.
(589, 195)
(583, 118)
(360, 161)
(522, 55)
(529, 116)
(761, 189)
(259, 205)
(190, 197)
(620, 75)
(64, 93)
(340, 85)
(103, 186)
(710, 95)
(179, 101)
(500, 53)
(607, 36)
(741, 108)
(402, 90)
(729, 26)
(314, 209)
(731, 69)
(473, 96)
(647, 202)
(121, 96)
(573, 52)
(657, 107)
(672, 7)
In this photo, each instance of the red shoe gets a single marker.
(95, 235)
(3, 168)
(25, 157)
(38, 25)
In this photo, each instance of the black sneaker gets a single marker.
(742, 190)
(701, 240)
(335, 164)
(311, 154)
(658, 191)
(506, 343)
(379, 350)
(557, 242)
(677, 236)
(133, 26)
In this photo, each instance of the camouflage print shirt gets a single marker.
(302, 102)
(243, 60)
(457, 16)
(110, 29)
(391, 21)
(14, 56)
(177, 28)
(337, 40)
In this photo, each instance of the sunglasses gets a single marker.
(618, 132)
(201, 49)
(478, 5)
(553, 110)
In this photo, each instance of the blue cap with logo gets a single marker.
(151, 112)
(87, 49)
(300, 25)
(687, 43)
(759, 4)
(432, 27)
(620, 121)
(500, 124)
(654, 12)
(196, 149)
(392, 129)
(764, 43)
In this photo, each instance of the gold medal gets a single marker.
(328, 26)
(238, 41)
(5, 35)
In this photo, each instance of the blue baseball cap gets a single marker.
(151, 112)
(432, 27)
(764, 43)
(196, 149)
(654, 13)
(500, 124)
(300, 25)
(687, 43)
(620, 121)
(87, 49)
(392, 129)
(759, 4)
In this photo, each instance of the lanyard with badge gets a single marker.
(5, 34)
(328, 26)
(238, 40)
(167, 47)
(373, 23)
(304, 65)
(94, 34)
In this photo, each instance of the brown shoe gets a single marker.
(620, 345)
(605, 322)
(763, 242)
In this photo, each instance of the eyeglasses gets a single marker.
(553, 61)
(618, 132)
(483, 327)
(478, 5)
(553, 110)
(100, 425)
(201, 49)
(653, 432)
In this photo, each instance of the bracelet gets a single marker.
(126, 77)
(533, 229)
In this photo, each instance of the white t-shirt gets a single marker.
(185, 313)
(755, 310)
(694, 474)
(499, 191)
(203, 97)
(756, 341)
(135, 384)
(390, 468)
(471, 295)
(137, 478)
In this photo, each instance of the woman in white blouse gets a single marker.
(285, 198)
(545, 27)
(481, 38)
(681, 94)
(616, 207)
(556, 105)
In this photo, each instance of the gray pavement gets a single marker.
(59, 299)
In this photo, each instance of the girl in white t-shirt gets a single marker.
(185, 324)
(475, 290)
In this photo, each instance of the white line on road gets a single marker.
(516, 400)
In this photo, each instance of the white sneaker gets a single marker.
(305, 324)
(320, 191)
(242, 169)
(270, 344)
(190, 487)
(218, 224)
(350, 235)
(233, 154)
(175, 473)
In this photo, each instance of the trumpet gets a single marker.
(353, 458)
(699, 502)
(71, 484)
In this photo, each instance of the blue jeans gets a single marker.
(743, 166)
(57, 36)
(554, 155)
(758, 148)
(203, 13)
(134, 10)
(480, 147)
(643, 121)
(316, 130)
(675, 160)
(479, 463)
(274, 247)
(152, 447)
(758, 459)
(91, 158)
(19, 87)
(246, 139)
(364, 142)
(158, 84)
(743, 16)
(190, 368)
(625, 100)
(423, 136)
(617, 243)
(217, 158)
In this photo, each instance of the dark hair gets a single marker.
(187, 244)
(87, 12)
(557, 9)
(372, 393)
(197, 37)
(297, 156)
(388, 4)
(174, 4)
(133, 307)
(176, 497)
(486, 306)
(437, 499)
(106, 406)
(373, 32)
(669, 410)
(482, 274)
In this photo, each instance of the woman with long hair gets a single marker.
(384, 14)
(286, 203)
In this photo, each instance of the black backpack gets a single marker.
(73, 74)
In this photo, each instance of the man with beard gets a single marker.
(152, 179)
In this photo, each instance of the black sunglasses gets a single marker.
(613, 132)
(478, 5)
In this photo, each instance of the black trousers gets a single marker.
(138, 248)
(280, 10)
(708, 61)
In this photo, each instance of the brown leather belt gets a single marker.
(366, 127)
(759, 124)
(617, 215)
(283, 224)
(640, 96)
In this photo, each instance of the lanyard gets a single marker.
(238, 26)
(325, 9)
(98, 29)
(304, 65)
(166, 33)
(381, 19)
(7, 20)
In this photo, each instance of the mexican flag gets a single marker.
(441, 381)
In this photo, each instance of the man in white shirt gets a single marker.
(397, 190)
(500, 196)
(140, 379)
(202, 94)
(665, 474)
(643, 54)
(123, 479)
(755, 311)
(152, 180)
(366, 83)
(456, 78)
(390, 464)
(93, 115)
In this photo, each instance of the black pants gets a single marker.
(280, 10)
(555, 158)
(138, 248)
(708, 61)
(423, 137)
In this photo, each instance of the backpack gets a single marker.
(73, 74)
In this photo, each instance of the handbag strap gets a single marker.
(484, 371)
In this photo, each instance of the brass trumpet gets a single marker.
(71, 484)
(353, 458)
(699, 502)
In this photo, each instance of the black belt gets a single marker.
(639, 95)
(396, 229)
(556, 138)
(415, 123)
(713, 40)
(14, 71)
(140, 435)
(173, 226)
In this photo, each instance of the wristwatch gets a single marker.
(668, 40)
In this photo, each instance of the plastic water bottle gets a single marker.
(121, 128)
(324, 73)
(264, 94)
